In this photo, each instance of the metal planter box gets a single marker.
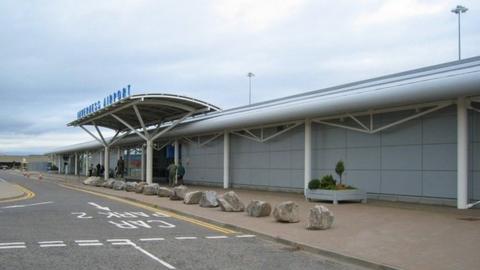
(336, 195)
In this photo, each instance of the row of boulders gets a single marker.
(319, 216)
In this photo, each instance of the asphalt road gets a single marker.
(62, 228)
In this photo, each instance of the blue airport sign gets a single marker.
(107, 101)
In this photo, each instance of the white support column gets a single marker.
(118, 153)
(142, 173)
(308, 153)
(226, 159)
(106, 163)
(462, 154)
(76, 163)
(176, 153)
(59, 165)
(149, 161)
(86, 163)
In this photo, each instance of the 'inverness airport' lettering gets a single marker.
(107, 101)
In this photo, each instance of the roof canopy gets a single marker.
(151, 109)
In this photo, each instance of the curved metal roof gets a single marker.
(430, 84)
(154, 109)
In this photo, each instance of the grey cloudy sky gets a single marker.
(58, 56)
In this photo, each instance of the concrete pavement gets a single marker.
(401, 235)
(9, 191)
(62, 228)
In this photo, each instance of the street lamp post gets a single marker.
(250, 75)
(459, 10)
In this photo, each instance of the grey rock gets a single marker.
(118, 185)
(319, 218)
(98, 182)
(286, 212)
(192, 197)
(259, 209)
(109, 183)
(90, 180)
(139, 187)
(151, 189)
(208, 199)
(179, 193)
(230, 202)
(130, 186)
(164, 192)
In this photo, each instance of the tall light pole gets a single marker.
(459, 10)
(250, 75)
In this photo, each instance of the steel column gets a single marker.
(142, 173)
(76, 163)
(462, 154)
(106, 163)
(176, 152)
(226, 159)
(308, 153)
(149, 161)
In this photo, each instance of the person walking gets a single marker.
(172, 173)
(180, 173)
(90, 170)
(120, 167)
(98, 169)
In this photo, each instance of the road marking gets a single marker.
(89, 244)
(12, 243)
(217, 237)
(86, 241)
(8, 247)
(155, 210)
(53, 245)
(118, 240)
(25, 205)
(245, 236)
(185, 237)
(152, 239)
(50, 242)
(99, 206)
(164, 263)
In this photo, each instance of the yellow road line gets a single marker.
(171, 214)
(28, 194)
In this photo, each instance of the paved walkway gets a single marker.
(9, 191)
(401, 235)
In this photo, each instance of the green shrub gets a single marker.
(314, 184)
(328, 182)
(339, 169)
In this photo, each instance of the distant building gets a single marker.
(29, 162)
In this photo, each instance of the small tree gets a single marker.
(339, 169)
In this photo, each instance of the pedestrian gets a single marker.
(98, 169)
(90, 170)
(102, 171)
(120, 167)
(172, 172)
(180, 173)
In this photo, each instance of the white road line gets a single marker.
(8, 247)
(86, 241)
(50, 242)
(121, 244)
(169, 266)
(25, 205)
(217, 237)
(12, 243)
(89, 244)
(53, 245)
(118, 240)
(152, 239)
(185, 237)
(245, 236)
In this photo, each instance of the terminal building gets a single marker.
(412, 136)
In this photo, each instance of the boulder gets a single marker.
(109, 183)
(179, 193)
(151, 189)
(208, 199)
(164, 192)
(259, 209)
(192, 197)
(90, 180)
(130, 186)
(118, 185)
(319, 218)
(98, 182)
(230, 202)
(286, 212)
(139, 187)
